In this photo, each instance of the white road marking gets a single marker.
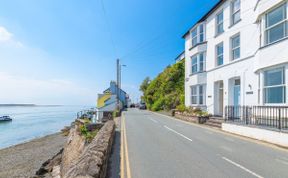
(282, 161)
(178, 133)
(242, 167)
(153, 120)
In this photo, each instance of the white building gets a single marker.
(237, 55)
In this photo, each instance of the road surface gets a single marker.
(157, 146)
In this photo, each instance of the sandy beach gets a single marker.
(25, 159)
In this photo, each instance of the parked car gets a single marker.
(142, 106)
(132, 106)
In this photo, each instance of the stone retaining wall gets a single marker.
(79, 159)
(93, 161)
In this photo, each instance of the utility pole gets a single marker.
(118, 82)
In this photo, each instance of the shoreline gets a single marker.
(24, 159)
(30, 140)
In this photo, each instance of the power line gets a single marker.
(108, 27)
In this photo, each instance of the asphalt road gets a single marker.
(161, 147)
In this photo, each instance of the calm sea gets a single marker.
(33, 122)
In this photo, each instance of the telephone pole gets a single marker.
(118, 82)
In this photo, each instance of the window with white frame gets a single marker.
(198, 63)
(219, 23)
(235, 11)
(201, 94)
(198, 95)
(276, 24)
(194, 64)
(235, 47)
(219, 54)
(198, 35)
(274, 86)
(194, 95)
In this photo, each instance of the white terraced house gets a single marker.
(237, 55)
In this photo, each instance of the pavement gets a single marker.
(154, 145)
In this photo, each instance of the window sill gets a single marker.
(197, 73)
(198, 105)
(219, 34)
(198, 44)
(273, 43)
(232, 25)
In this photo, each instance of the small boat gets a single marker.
(5, 118)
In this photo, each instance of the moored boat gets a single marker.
(5, 118)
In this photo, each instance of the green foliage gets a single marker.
(145, 84)
(166, 91)
(89, 136)
(116, 113)
(181, 108)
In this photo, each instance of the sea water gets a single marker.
(31, 122)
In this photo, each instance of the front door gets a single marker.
(236, 98)
(221, 95)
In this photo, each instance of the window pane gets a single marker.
(276, 16)
(219, 49)
(220, 28)
(220, 60)
(194, 99)
(194, 90)
(236, 5)
(236, 17)
(194, 33)
(194, 64)
(200, 90)
(201, 28)
(194, 41)
(201, 37)
(220, 18)
(275, 95)
(201, 99)
(236, 53)
(236, 41)
(276, 33)
(194, 69)
(201, 62)
(274, 77)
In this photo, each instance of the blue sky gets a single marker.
(64, 52)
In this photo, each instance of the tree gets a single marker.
(166, 91)
(145, 84)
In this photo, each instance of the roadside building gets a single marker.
(180, 57)
(237, 55)
(108, 100)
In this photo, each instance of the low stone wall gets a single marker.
(94, 159)
(274, 137)
(193, 119)
(79, 158)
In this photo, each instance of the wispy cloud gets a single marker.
(6, 37)
(17, 89)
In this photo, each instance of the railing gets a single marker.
(275, 117)
(94, 115)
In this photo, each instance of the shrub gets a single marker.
(89, 136)
(181, 108)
